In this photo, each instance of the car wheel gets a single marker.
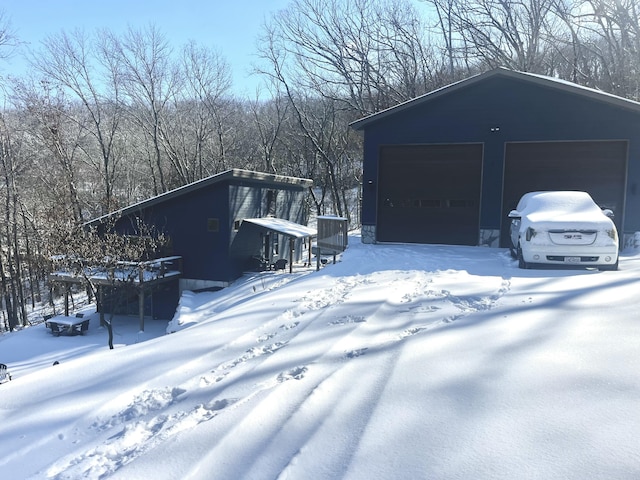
(521, 262)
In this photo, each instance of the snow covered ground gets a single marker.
(399, 361)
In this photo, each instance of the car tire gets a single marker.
(521, 263)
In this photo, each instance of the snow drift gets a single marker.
(400, 361)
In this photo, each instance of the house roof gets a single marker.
(283, 226)
(533, 78)
(229, 175)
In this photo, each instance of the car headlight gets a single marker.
(613, 234)
(530, 233)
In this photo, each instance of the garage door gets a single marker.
(596, 167)
(429, 194)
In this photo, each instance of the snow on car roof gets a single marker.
(559, 205)
(565, 200)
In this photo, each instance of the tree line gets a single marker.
(103, 120)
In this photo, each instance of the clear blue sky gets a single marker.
(229, 26)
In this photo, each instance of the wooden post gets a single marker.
(66, 299)
(141, 307)
(141, 297)
(101, 295)
(291, 247)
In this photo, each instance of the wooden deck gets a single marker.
(141, 275)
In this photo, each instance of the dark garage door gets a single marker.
(595, 167)
(429, 194)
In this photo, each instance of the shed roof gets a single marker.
(229, 175)
(541, 80)
(283, 226)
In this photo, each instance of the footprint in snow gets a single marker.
(348, 319)
(356, 353)
(265, 337)
(289, 326)
(409, 332)
(296, 373)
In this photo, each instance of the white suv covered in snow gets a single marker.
(563, 228)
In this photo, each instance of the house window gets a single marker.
(213, 225)
(271, 202)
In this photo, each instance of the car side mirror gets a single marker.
(608, 212)
(514, 214)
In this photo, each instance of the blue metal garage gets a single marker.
(446, 167)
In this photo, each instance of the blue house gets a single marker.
(218, 227)
(448, 166)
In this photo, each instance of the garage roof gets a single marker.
(283, 226)
(505, 73)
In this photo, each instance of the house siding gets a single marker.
(185, 220)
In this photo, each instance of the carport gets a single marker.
(260, 239)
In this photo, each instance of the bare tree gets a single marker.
(611, 36)
(269, 117)
(8, 39)
(498, 32)
(335, 61)
(368, 54)
(149, 80)
(47, 114)
(71, 62)
(199, 113)
(11, 254)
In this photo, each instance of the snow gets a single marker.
(399, 361)
(563, 206)
(283, 226)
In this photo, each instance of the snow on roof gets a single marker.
(283, 226)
